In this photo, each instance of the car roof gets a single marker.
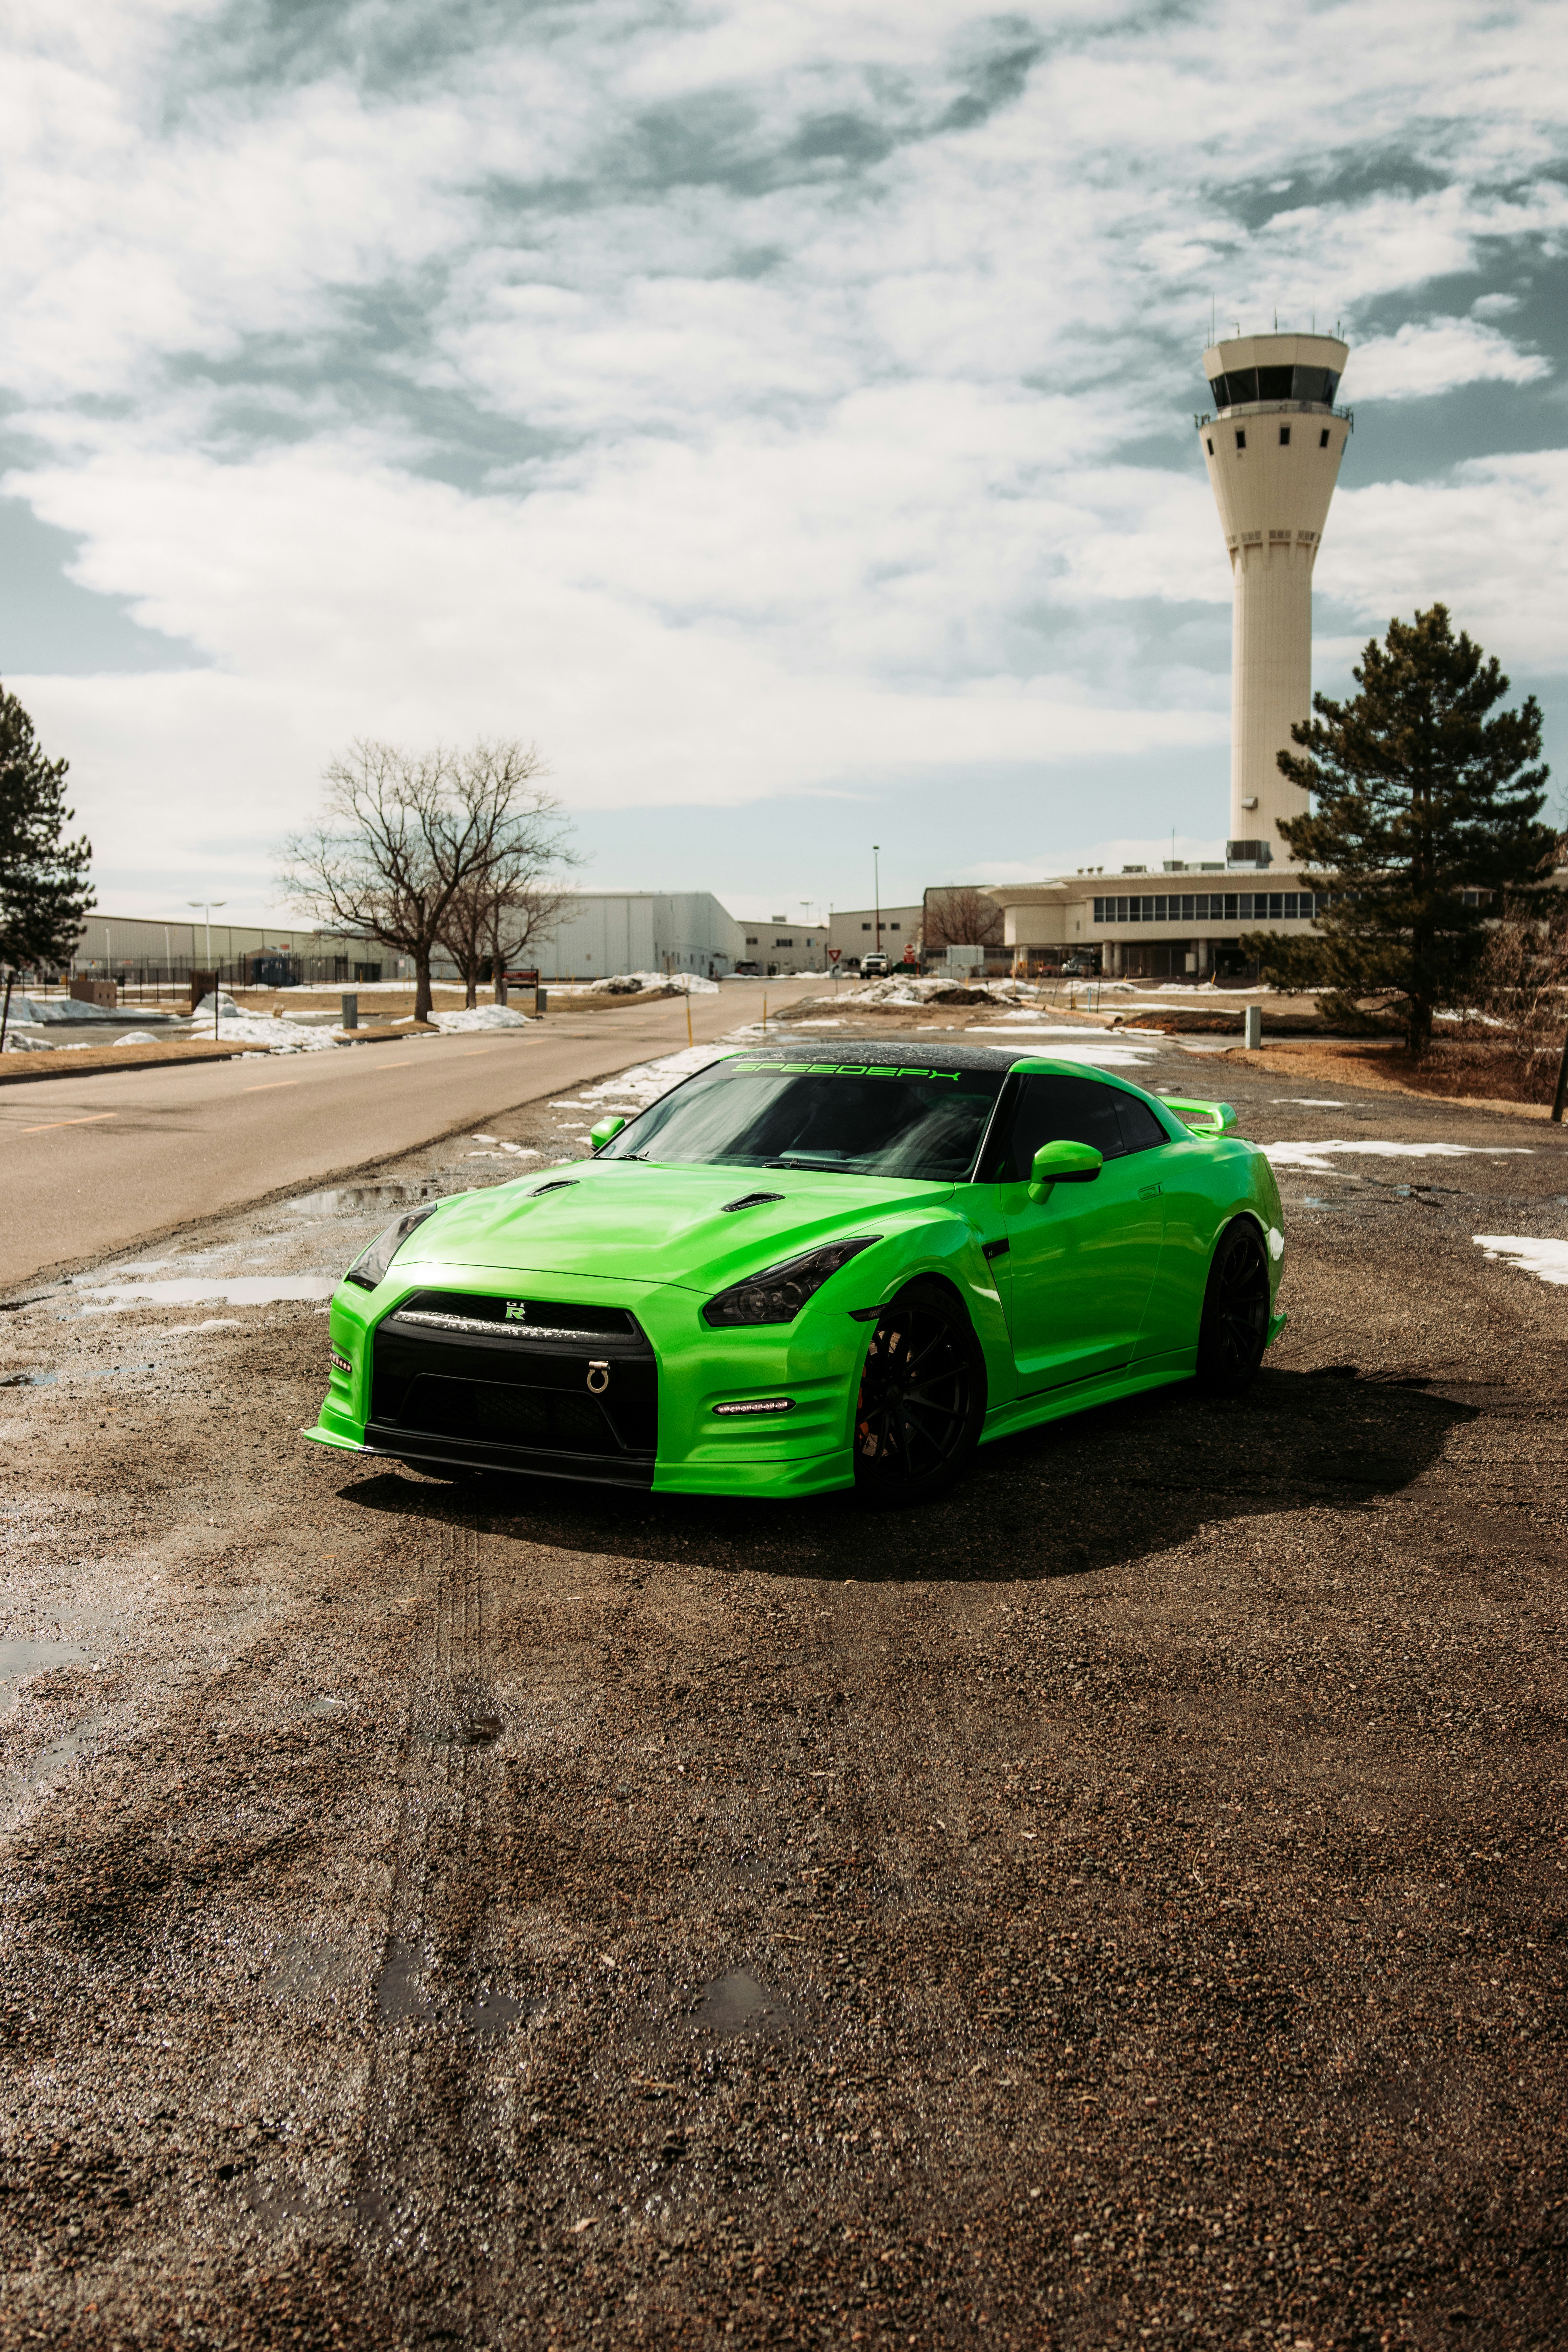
(902, 1050)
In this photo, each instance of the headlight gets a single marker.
(370, 1266)
(778, 1296)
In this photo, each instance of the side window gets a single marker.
(1051, 1110)
(1141, 1130)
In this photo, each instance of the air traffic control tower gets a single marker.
(1273, 450)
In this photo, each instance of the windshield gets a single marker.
(876, 1120)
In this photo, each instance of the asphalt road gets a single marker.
(115, 1159)
(1122, 1905)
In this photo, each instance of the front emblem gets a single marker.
(517, 1310)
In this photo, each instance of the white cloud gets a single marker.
(1422, 360)
(1491, 541)
(795, 429)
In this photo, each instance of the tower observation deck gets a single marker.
(1273, 447)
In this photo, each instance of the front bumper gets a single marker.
(637, 1409)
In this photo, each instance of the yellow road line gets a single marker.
(270, 1088)
(88, 1121)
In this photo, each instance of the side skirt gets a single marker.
(1057, 1404)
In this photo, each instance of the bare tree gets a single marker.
(516, 897)
(401, 833)
(1521, 986)
(959, 916)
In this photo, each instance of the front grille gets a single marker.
(573, 1398)
(465, 1308)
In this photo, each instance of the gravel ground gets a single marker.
(1122, 1903)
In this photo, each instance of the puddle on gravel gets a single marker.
(360, 1199)
(29, 1379)
(731, 2003)
(18, 1659)
(190, 1290)
(480, 1731)
(401, 1994)
(23, 1657)
(490, 2014)
(398, 1991)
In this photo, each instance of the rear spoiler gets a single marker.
(1204, 1117)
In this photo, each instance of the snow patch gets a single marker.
(1316, 1159)
(138, 1037)
(1102, 1049)
(39, 1012)
(616, 983)
(632, 1090)
(484, 1017)
(1547, 1260)
(239, 1028)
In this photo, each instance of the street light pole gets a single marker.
(206, 904)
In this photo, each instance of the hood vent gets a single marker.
(749, 1201)
(560, 1185)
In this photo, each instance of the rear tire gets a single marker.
(922, 1402)
(1234, 1330)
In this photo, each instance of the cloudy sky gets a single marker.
(781, 412)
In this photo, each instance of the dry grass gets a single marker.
(1481, 1081)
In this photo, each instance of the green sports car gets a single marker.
(787, 1275)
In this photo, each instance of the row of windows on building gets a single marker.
(1284, 438)
(753, 940)
(1215, 906)
(1317, 385)
(1234, 907)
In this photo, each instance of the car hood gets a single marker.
(629, 1220)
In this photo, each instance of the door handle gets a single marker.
(1148, 1191)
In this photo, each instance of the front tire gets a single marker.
(1234, 1331)
(922, 1402)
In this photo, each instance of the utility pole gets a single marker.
(877, 891)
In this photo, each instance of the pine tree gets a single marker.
(1421, 799)
(44, 889)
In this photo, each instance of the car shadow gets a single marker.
(1102, 1488)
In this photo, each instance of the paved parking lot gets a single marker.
(1122, 1903)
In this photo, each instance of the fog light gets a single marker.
(762, 1404)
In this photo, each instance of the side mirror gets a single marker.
(605, 1132)
(1063, 1163)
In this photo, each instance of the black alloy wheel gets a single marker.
(1235, 1326)
(922, 1398)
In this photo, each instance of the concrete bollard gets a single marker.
(350, 1012)
(1252, 1028)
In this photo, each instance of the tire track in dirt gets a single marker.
(435, 2014)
